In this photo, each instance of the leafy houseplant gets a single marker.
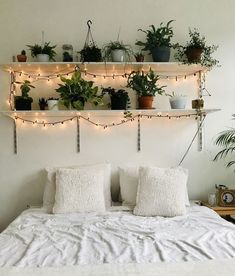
(226, 139)
(158, 41)
(177, 101)
(42, 102)
(24, 102)
(91, 53)
(196, 51)
(119, 98)
(117, 51)
(22, 57)
(139, 56)
(75, 92)
(145, 84)
(43, 53)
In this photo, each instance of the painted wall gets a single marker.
(163, 141)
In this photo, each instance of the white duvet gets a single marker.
(39, 239)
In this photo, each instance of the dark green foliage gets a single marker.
(156, 37)
(42, 101)
(117, 45)
(117, 94)
(25, 88)
(91, 54)
(45, 49)
(76, 91)
(23, 52)
(145, 84)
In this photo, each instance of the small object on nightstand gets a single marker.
(226, 196)
(212, 199)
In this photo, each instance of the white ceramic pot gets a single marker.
(118, 56)
(53, 105)
(178, 102)
(43, 58)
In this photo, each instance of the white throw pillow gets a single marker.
(79, 190)
(161, 192)
(129, 177)
(50, 187)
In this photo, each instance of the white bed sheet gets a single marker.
(39, 239)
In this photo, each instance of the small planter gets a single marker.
(21, 58)
(178, 102)
(145, 102)
(42, 106)
(139, 58)
(22, 103)
(161, 54)
(53, 105)
(194, 54)
(118, 103)
(118, 55)
(43, 58)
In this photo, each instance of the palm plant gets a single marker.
(226, 139)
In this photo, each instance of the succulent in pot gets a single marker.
(53, 103)
(24, 102)
(42, 102)
(117, 51)
(158, 41)
(177, 101)
(145, 84)
(75, 92)
(91, 53)
(196, 51)
(119, 98)
(139, 57)
(43, 53)
(22, 57)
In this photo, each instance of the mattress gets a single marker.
(39, 239)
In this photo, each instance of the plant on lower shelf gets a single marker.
(158, 41)
(91, 53)
(196, 51)
(44, 52)
(177, 101)
(226, 140)
(119, 98)
(24, 102)
(145, 84)
(75, 92)
(117, 51)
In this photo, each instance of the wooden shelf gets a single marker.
(162, 68)
(104, 113)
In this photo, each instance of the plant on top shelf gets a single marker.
(145, 84)
(43, 52)
(226, 140)
(139, 56)
(177, 101)
(24, 102)
(117, 51)
(75, 92)
(91, 53)
(158, 41)
(196, 51)
(22, 57)
(119, 98)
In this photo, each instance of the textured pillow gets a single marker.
(161, 192)
(50, 187)
(129, 177)
(79, 190)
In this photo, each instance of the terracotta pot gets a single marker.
(145, 102)
(139, 58)
(21, 58)
(194, 54)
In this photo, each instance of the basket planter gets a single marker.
(145, 102)
(194, 54)
(118, 55)
(161, 54)
(43, 58)
(178, 102)
(53, 105)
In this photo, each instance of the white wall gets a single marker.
(163, 141)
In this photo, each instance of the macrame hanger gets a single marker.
(89, 37)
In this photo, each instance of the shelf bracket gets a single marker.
(15, 135)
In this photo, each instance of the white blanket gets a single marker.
(39, 239)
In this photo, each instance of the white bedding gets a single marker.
(39, 239)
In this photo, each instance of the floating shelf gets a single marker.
(163, 68)
(105, 113)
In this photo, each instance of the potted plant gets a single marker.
(145, 84)
(196, 51)
(42, 102)
(24, 102)
(22, 57)
(158, 42)
(75, 92)
(177, 101)
(44, 52)
(119, 98)
(139, 57)
(67, 52)
(117, 51)
(53, 103)
(91, 53)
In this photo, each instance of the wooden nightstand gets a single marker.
(225, 212)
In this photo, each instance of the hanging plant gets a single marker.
(90, 51)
